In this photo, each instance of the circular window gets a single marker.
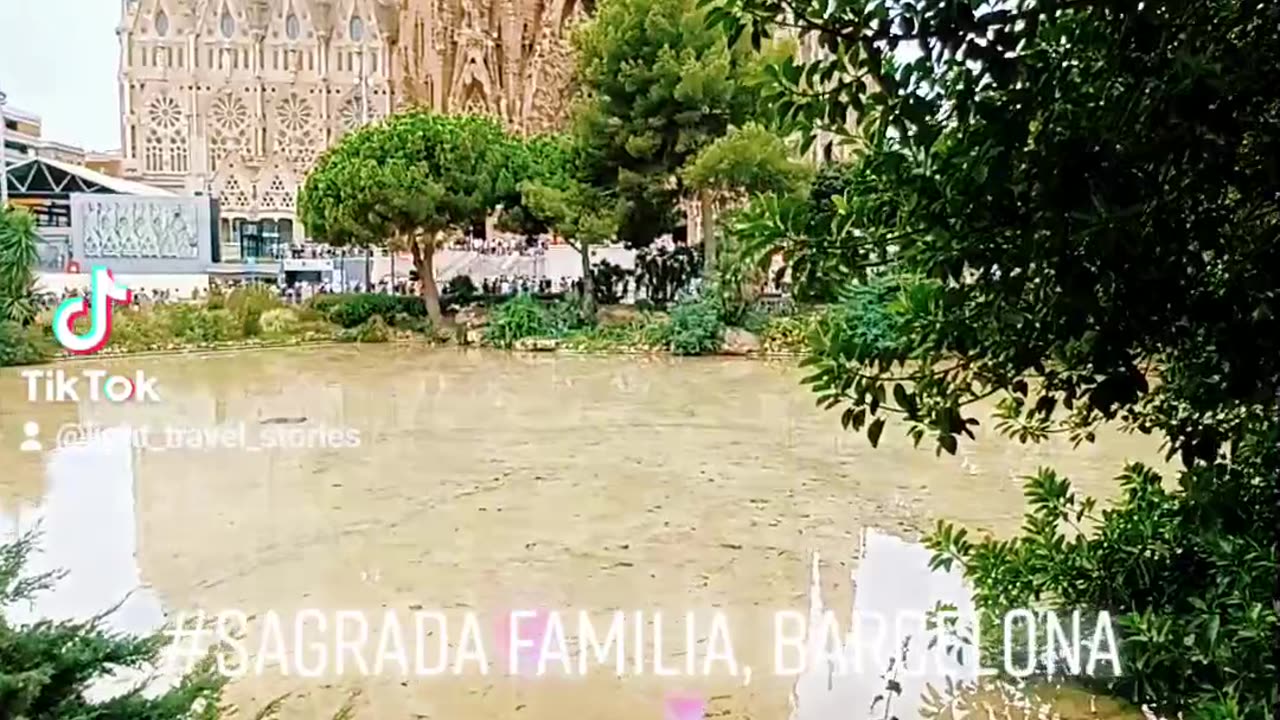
(292, 28)
(227, 24)
(162, 24)
(357, 28)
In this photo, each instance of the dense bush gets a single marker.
(248, 303)
(520, 317)
(373, 330)
(353, 310)
(697, 327)
(198, 326)
(649, 332)
(22, 346)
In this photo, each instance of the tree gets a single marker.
(1079, 207)
(660, 85)
(18, 259)
(557, 195)
(46, 667)
(747, 160)
(411, 177)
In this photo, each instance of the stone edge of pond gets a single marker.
(241, 347)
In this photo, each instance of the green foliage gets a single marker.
(697, 327)
(1087, 194)
(18, 258)
(22, 346)
(787, 333)
(1192, 594)
(372, 330)
(566, 315)
(461, 289)
(46, 667)
(649, 332)
(414, 173)
(825, 246)
(248, 303)
(279, 321)
(748, 159)
(659, 86)
(195, 325)
(356, 309)
(520, 317)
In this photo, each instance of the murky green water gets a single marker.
(483, 482)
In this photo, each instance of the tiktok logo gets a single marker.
(104, 292)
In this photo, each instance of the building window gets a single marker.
(292, 28)
(162, 24)
(227, 24)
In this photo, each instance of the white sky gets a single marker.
(59, 59)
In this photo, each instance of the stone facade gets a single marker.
(237, 98)
(511, 59)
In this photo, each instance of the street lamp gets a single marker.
(4, 157)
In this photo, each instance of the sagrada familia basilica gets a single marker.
(239, 97)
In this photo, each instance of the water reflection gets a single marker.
(89, 526)
(893, 591)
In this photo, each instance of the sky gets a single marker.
(59, 59)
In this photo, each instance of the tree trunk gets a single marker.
(424, 263)
(588, 283)
(707, 205)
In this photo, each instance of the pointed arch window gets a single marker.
(162, 24)
(292, 28)
(357, 28)
(227, 24)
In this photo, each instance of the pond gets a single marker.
(478, 482)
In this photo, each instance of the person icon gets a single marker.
(31, 444)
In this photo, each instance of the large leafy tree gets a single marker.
(659, 85)
(746, 160)
(557, 194)
(1079, 203)
(408, 180)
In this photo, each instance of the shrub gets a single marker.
(696, 326)
(565, 315)
(196, 325)
(373, 330)
(520, 317)
(248, 303)
(22, 346)
(351, 311)
(279, 321)
(788, 332)
(135, 330)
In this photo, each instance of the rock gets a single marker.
(537, 344)
(472, 317)
(740, 342)
(475, 337)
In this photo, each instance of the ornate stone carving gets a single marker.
(139, 230)
(510, 58)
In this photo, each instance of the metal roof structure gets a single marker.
(46, 178)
